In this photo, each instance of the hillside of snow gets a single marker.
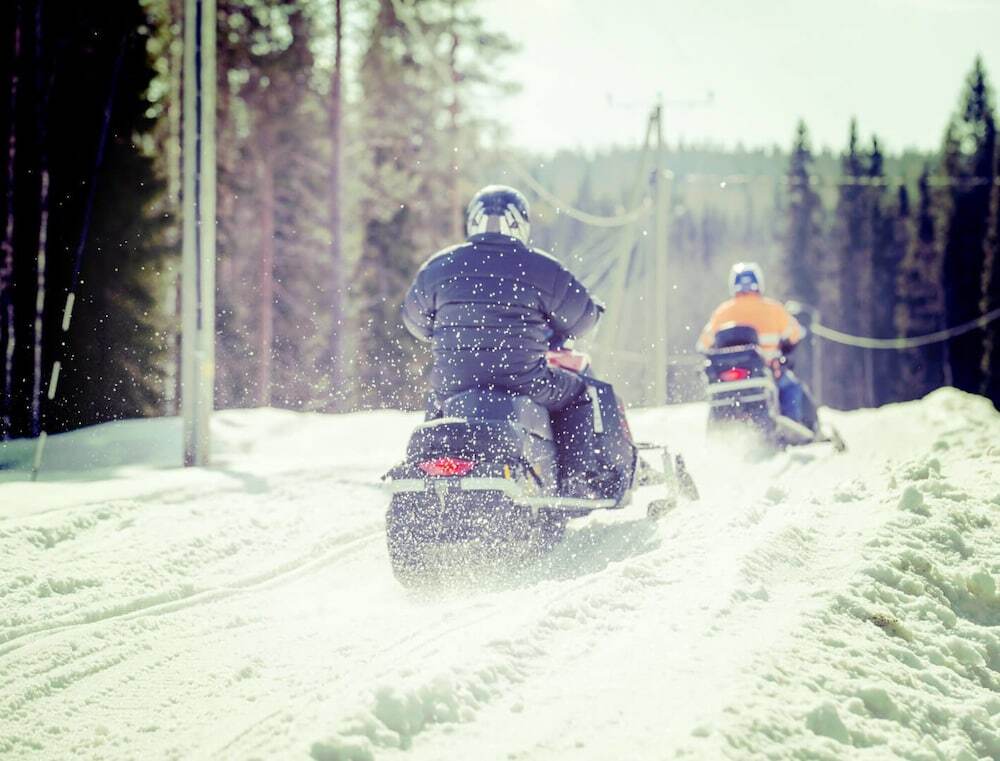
(812, 605)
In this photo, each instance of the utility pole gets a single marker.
(198, 212)
(661, 328)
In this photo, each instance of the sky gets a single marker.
(739, 71)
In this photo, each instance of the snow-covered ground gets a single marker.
(810, 606)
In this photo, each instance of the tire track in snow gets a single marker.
(333, 549)
(108, 518)
(87, 662)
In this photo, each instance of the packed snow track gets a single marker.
(812, 604)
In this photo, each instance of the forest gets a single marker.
(349, 141)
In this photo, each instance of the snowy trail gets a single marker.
(812, 605)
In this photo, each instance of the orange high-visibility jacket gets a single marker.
(768, 317)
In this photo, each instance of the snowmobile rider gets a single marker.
(778, 333)
(491, 307)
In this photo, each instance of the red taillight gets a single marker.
(446, 466)
(734, 374)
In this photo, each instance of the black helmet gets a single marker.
(499, 209)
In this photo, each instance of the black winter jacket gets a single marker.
(490, 308)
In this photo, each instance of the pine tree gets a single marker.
(8, 330)
(166, 51)
(919, 309)
(400, 102)
(885, 258)
(303, 322)
(803, 239)
(275, 262)
(991, 295)
(969, 162)
(851, 281)
(82, 141)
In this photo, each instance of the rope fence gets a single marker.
(911, 342)
(822, 180)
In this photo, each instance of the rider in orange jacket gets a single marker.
(777, 330)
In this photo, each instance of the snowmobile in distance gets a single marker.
(484, 473)
(742, 391)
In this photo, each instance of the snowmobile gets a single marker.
(742, 391)
(484, 471)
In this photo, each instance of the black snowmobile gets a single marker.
(492, 471)
(742, 391)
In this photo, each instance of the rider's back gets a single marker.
(768, 317)
(490, 307)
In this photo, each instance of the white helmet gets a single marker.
(746, 277)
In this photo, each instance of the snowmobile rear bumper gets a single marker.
(741, 393)
(439, 487)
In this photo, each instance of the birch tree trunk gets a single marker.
(334, 115)
(265, 272)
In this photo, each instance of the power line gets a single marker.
(562, 207)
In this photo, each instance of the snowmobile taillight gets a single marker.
(734, 374)
(446, 466)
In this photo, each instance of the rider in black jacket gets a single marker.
(492, 306)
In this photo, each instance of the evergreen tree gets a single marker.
(274, 256)
(969, 162)
(920, 305)
(14, 22)
(847, 300)
(991, 294)
(803, 239)
(303, 320)
(886, 255)
(82, 130)
(400, 101)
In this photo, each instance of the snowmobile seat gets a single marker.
(736, 335)
(487, 404)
